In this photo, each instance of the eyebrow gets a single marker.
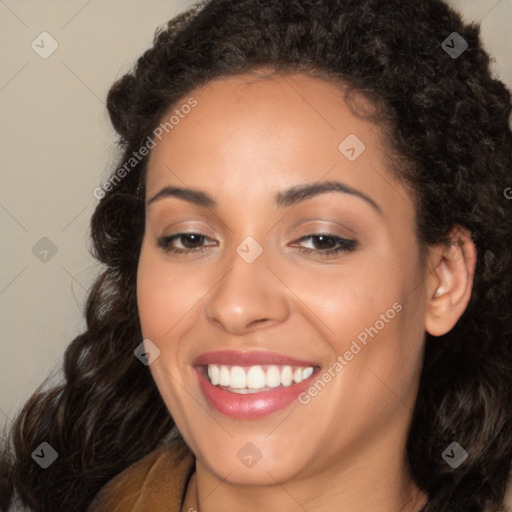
(288, 197)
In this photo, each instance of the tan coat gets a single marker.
(156, 483)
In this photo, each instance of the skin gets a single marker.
(246, 140)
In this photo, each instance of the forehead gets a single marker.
(269, 133)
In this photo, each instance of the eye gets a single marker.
(190, 242)
(322, 244)
(326, 244)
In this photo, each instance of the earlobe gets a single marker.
(450, 282)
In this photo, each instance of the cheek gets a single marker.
(342, 300)
(371, 315)
(157, 300)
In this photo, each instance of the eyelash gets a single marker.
(344, 244)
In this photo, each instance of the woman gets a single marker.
(306, 300)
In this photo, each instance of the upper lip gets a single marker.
(248, 358)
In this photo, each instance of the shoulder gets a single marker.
(157, 480)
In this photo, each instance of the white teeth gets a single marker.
(243, 391)
(286, 376)
(213, 373)
(255, 378)
(224, 379)
(273, 377)
(238, 380)
(306, 373)
(250, 379)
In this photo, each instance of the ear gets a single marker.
(449, 283)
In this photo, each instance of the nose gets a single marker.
(248, 297)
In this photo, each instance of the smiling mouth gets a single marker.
(255, 379)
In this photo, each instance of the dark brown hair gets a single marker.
(447, 121)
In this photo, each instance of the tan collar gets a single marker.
(155, 483)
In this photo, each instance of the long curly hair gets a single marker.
(446, 121)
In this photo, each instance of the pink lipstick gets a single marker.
(252, 384)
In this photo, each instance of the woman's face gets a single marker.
(255, 296)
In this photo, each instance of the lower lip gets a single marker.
(253, 405)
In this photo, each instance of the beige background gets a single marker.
(56, 147)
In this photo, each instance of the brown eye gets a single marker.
(326, 244)
(190, 242)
